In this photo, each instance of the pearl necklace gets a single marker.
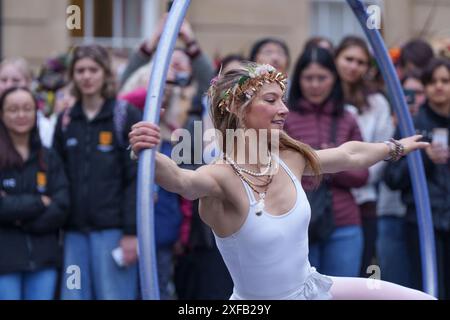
(238, 170)
(250, 172)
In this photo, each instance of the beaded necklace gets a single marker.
(262, 194)
(250, 172)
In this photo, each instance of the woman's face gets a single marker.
(11, 76)
(19, 112)
(179, 67)
(438, 90)
(352, 63)
(414, 85)
(88, 77)
(316, 83)
(267, 110)
(273, 54)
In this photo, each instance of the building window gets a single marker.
(334, 19)
(115, 23)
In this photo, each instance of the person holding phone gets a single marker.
(414, 91)
(391, 247)
(433, 122)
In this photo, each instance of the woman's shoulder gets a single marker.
(350, 114)
(294, 160)
(378, 102)
(349, 108)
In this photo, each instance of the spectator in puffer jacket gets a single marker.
(433, 122)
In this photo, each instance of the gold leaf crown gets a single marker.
(248, 85)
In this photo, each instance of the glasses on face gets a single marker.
(16, 110)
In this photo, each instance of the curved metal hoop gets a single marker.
(146, 174)
(415, 164)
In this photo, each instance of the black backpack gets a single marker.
(320, 199)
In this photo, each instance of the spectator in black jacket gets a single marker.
(34, 199)
(433, 122)
(92, 140)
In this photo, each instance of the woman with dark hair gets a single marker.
(414, 55)
(319, 118)
(272, 51)
(414, 90)
(91, 138)
(33, 202)
(373, 115)
(230, 62)
(320, 42)
(433, 122)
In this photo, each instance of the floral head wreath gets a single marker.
(248, 85)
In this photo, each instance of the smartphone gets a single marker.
(117, 255)
(440, 137)
(410, 96)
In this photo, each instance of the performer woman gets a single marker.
(259, 215)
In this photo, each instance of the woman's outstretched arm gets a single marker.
(187, 183)
(358, 155)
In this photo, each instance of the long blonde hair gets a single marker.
(224, 119)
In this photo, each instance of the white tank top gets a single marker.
(268, 256)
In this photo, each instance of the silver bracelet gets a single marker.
(396, 150)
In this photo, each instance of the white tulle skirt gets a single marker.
(315, 287)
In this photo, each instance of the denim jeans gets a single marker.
(34, 285)
(392, 250)
(100, 277)
(340, 254)
(165, 266)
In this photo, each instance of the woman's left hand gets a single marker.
(129, 243)
(412, 143)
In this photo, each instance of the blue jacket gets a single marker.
(168, 215)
